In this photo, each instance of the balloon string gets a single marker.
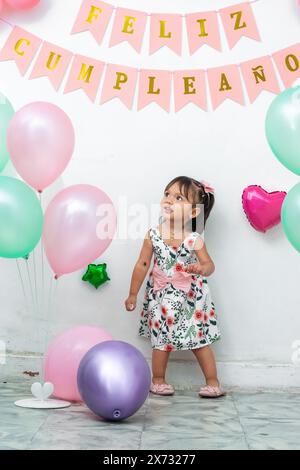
(50, 296)
(30, 285)
(48, 317)
(22, 283)
(35, 282)
(42, 267)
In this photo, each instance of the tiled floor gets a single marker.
(242, 420)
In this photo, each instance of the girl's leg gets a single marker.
(159, 366)
(207, 362)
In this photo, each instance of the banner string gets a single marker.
(148, 14)
(180, 14)
(140, 69)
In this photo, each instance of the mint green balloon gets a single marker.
(290, 216)
(283, 128)
(6, 113)
(21, 218)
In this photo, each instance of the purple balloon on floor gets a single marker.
(114, 380)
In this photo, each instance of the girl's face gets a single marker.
(175, 206)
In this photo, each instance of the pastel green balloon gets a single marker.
(283, 128)
(6, 113)
(21, 218)
(290, 216)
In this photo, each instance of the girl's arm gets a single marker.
(139, 273)
(206, 266)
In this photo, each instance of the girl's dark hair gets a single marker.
(194, 191)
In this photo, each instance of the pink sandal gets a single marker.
(162, 389)
(211, 392)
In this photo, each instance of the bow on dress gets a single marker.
(180, 280)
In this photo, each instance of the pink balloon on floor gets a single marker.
(22, 4)
(64, 355)
(263, 209)
(80, 223)
(40, 141)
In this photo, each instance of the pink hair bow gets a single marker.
(180, 280)
(207, 187)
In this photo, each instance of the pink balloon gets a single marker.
(40, 140)
(22, 4)
(1, 4)
(80, 223)
(262, 209)
(63, 357)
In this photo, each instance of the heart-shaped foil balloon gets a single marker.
(263, 209)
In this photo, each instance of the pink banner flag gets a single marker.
(129, 25)
(189, 87)
(119, 82)
(288, 64)
(93, 16)
(259, 75)
(85, 74)
(238, 21)
(21, 47)
(225, 82)
(155, 86)
(203, 28)
(165, 30)
(52, 62)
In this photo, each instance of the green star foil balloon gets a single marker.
(96, 275)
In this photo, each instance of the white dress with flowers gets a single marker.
(172, 318)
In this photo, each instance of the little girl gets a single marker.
(178, 312)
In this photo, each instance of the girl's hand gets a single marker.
(130, 303)
(197, 268)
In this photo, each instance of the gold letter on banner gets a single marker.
(224, 83)
(238, 24)
(128, 23)
(289, 64)
(121, 78)
(259, 74)
(94, 14)
(85, 74)
(189, 88)
(50, 65)
(19, 43)
(151, 90)
(162, 33)
(202, 28)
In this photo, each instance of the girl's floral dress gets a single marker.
(172, 318)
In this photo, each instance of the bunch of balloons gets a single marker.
(79, 222)
(111, 377)
(283, 135)
(40, 139)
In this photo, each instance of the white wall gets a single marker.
(256, 284)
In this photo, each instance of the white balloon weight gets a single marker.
(41, 398)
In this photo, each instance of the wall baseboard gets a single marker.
(183, 374)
